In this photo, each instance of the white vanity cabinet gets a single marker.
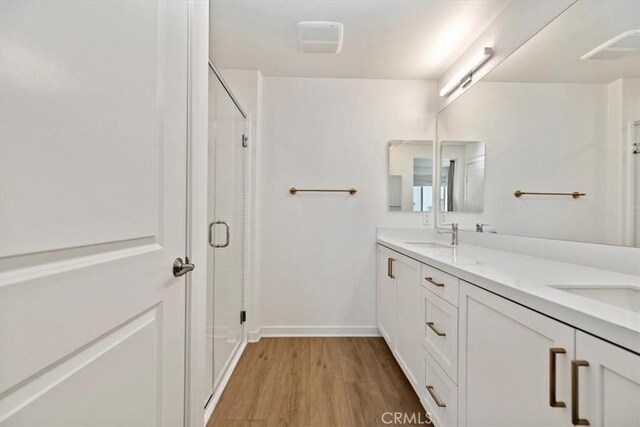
(506, 359)
(477, 359)
(386, 295)
(399, 309)
(608, 388)
(440, 332)
(407, 272)
(518, 367)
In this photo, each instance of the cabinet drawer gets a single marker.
(439, 394)
(440, 283)
(440, 332)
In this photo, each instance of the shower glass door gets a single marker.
(226, 218)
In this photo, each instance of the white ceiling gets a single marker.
(553, 55)
(387, 39)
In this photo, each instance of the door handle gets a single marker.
(575, 393)
(180, 268)
(390, 268)
(552, 377)
(211, 242)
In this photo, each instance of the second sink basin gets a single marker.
(626, 297)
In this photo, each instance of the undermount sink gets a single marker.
(626, 297)
(429, 245)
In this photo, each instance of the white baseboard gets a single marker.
(253, 337)
(211, 406)
(314, 331)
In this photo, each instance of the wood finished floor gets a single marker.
(315, 382)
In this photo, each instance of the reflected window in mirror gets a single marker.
(411, 172)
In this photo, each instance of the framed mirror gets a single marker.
(411, 172)
(559, 119)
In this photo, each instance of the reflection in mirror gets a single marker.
(462, 176)
(559, 116)
(410, 176)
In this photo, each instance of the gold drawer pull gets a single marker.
(434, 329)
(430, 280)
(436, 399)
(575, 397)
(552, 377)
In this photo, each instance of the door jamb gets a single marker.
(196, 244)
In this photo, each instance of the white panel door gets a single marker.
(474, 190)
(510, 360)
(609, 387)
(93, 187)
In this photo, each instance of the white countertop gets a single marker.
(529, 281)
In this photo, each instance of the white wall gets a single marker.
(539, 137)
(318, 252)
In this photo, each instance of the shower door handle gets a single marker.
(211, 242)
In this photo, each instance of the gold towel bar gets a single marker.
(294, 190)
(575, 194)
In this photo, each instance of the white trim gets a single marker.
(208, 412)
(196, 291)
(254, 336)
(317, 331)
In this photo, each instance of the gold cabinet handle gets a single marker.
(390, 268)
(575, 394)
(552, 378)
(430, 280)
(435, 398)
(434, 329)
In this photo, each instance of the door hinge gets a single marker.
(243, 316)
(245, 141)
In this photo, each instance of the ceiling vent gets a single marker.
(625, 44)
(320, 37)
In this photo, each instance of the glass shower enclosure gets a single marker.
(227, 231)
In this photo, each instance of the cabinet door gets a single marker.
(506, 360)
(609, 387)
(408, 317)
(386, 295)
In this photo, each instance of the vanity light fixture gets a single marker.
(465, 79)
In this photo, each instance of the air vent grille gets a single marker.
(625, 44)
(320, 37)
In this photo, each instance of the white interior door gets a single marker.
(474, 190)
(93, 188)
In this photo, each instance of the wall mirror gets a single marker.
(560, 121)
(462, 176)
(411, 172)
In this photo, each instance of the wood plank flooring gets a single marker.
(321, 382)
